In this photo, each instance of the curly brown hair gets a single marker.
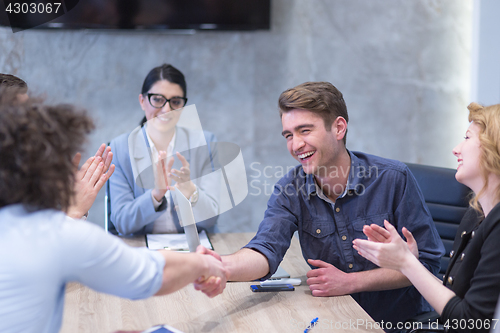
(488, 120)
(37, 145)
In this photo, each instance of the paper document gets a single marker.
(175, 242)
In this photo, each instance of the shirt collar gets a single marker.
(353, 178)
(154, 151)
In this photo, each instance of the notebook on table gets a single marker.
(175, 242)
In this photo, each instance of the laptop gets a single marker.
(186, 219)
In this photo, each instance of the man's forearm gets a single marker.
(246, 265)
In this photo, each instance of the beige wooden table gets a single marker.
(238, 309)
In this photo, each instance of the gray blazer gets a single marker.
(132, 210)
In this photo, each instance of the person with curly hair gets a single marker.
(42, 249)
(468, 294)
(92, 175)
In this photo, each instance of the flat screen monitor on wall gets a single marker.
(163, 14)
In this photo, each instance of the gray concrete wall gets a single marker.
(403, 67)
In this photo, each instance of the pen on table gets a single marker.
(176, 249)
(311, 325)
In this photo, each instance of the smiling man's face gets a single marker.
(309, 142)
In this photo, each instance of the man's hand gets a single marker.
(328, 280)
(91, 177)
(211, 285)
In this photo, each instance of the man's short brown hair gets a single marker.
(321, 98)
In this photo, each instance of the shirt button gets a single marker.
(318, 231)
(351, 265)
(462, 256)
(463, 233)
(450, 280)
(337, 209)
(452, 253)
(473, 233)
(344, 237)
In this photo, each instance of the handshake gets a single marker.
(214, 281)
(243, 265)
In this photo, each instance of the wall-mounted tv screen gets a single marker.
(164, 14)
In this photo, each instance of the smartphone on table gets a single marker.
(284, 287)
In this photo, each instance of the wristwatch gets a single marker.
(193, 199)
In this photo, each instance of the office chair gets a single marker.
(447, 201)
(108, 225)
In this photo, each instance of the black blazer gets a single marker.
(474, 273)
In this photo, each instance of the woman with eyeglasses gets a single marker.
(145, 174)
(467, 296)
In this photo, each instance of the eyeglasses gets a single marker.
(158, 101)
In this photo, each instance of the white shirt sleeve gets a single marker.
(104, 263)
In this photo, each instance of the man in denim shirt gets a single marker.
(328, 199)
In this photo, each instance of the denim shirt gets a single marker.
(377, 189)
